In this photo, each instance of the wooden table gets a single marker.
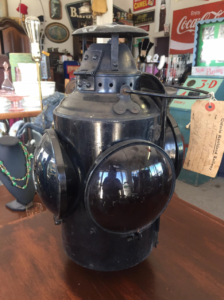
(187, 265)
(8, 216)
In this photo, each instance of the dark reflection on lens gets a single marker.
(130, 188)
(112, 187)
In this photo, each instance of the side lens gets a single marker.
(56, 179)
(130, 186)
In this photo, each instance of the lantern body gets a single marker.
(102, 171)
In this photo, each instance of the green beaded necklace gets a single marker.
(28, 169)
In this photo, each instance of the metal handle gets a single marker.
(164, 107)
(206, 95)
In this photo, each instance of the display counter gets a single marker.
(187, 264)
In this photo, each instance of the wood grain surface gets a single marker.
(18, 114)
(188, 263)
(6, 215)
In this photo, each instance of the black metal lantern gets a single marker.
(107, 172)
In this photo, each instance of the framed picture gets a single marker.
(76, 18)
(208, 43)
(70, 67)
(55, 9)
(3, 8)
(147, 17)
(57, 32)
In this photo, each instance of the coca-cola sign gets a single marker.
(184, 21)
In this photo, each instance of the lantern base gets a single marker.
(93, 248)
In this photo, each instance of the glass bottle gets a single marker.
(7, 84)
(162, 15)
(18, 74)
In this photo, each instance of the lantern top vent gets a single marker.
(107, 30)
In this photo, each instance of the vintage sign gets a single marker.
(142, 4)
(147, 17)
(209, 71)
(184, 21)
(76, 19)
(145, 27)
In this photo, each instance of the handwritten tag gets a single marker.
(206, 145)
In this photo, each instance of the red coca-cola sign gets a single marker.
(184, 21)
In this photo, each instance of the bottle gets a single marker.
(18, 74)
(162, 16)
(7, 84)
(130, 15)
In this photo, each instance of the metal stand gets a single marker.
(16, 206)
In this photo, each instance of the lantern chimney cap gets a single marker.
(107, 30)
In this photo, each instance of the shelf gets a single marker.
(27, 113)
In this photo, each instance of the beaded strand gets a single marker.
(28, 169)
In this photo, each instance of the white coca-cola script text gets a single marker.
(186, 25)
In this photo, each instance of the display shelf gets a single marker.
(26, 113)
(187, 264)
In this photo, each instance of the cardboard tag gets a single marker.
(206, 145)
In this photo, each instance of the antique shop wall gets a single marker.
(35, 9)
(124, 4)
(171, 6)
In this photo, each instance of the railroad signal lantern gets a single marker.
(108, 169)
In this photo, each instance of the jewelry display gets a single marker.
(28, 169)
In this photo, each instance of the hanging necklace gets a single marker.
(28, 169)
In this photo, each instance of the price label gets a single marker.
(206, 145)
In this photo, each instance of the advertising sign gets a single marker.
(145, 27)
(142, 4)
(75, 17)
(184, 20)
(147, 17)
(209, 71)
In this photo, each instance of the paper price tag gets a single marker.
(206, 145)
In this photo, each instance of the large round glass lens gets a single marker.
(130, 187)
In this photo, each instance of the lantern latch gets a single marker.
(125, 102)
